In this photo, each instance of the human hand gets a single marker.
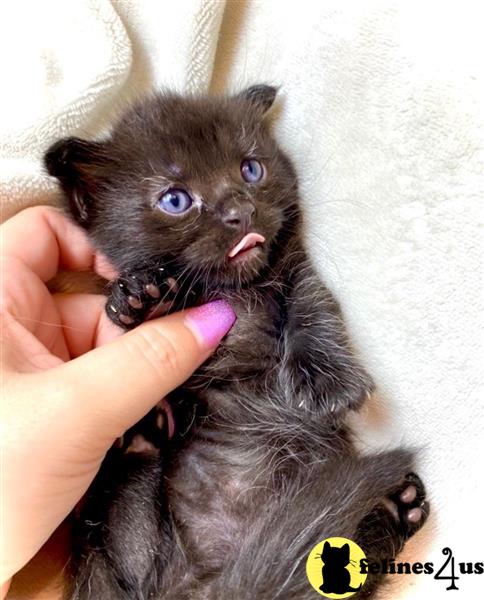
(66, 398)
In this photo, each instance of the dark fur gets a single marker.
(261, 468)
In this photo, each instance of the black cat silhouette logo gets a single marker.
(333, 568)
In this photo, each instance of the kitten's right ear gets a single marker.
(261, 96)
(76, 164)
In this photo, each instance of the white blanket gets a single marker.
(380, 109)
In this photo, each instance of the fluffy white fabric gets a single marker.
(380, 109)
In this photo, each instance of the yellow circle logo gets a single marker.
(333, 568)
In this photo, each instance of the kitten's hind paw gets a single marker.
(400, 513)
(137, 296)
(408, 505)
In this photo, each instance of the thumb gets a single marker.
(115, 385)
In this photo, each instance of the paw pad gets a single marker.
(408, 505)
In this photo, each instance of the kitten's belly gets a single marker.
(212, 503)
(214, 485)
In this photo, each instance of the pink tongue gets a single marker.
(248, 241)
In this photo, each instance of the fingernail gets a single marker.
(210, 322)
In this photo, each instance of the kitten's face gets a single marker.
(195, 182)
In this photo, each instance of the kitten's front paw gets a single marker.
(408, 505)
(334, 392)
(137, 296)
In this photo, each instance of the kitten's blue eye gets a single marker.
(251, 170)
(175, 202)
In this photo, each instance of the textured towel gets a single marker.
(380, 108)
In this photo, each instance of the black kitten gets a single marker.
(192, 200)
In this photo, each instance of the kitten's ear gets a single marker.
(346, 549)
(326, 548)
(77, 163)
(261, 96)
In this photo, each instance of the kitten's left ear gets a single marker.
(260, 96)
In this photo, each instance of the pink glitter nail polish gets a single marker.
(210, 322)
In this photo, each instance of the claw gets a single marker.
(172, 284)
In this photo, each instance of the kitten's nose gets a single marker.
(237, 214)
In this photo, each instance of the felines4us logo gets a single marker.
(338, 568)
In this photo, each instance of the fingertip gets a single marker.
(210, 322)
(103, 267)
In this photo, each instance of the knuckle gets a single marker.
(39, 212)
(42, 209)
(8, 304)
(156, 349)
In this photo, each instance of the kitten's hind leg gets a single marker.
(326, 499)
(123, 534)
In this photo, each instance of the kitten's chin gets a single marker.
(239, 271)
(246, 266)
(242, 262)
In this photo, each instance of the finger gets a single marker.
(45, 240)
(84, 322)
(116, 385)
(4, 589)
